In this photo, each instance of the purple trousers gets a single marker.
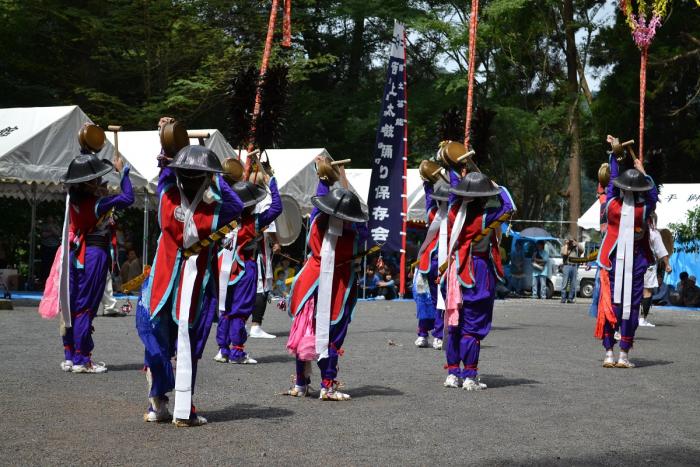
(627, 327)
(159, 337)
(463, 341)
(231, 335)
(329, 366)
(87, 285)
(436, 325)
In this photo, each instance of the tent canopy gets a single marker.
(360, 179)
(38, 143)
(675, 200)
(295, 171)
(140, 148)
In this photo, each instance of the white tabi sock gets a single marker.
(623, 355)
(608, 354)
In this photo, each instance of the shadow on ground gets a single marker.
(277, 358)
(642, 362)
(126, 367)
(500, 381)
(245, 412)
(366, 391)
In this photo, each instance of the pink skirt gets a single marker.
(302, 336)
(50, 306)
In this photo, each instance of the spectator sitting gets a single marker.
(386, 285)
(285, 268)
(370, 282)
(676, 297)
(131, 267)
(280, 287)
(691, 293)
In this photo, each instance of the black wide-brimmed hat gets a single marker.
(250, 193)
(341, 203)
(196, 157)
(475, 185)
(86, 167)
(633, 180)
(442, 193)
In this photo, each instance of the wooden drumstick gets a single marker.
(465, 156)
(341, 162)
(116, 129)
(201, 135)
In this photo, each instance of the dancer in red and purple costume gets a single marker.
(430, 304)
(92, 246)
(624, 257)
(324, 292)
(242, 281)
(179, 301)
(477, 208)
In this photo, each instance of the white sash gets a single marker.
(227, 258)
(183, 372)
(442, 253)
(625, 256)
(268, 279)
(64, 270)
(457, 226)
(325, 285)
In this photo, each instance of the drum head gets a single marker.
(173, 137)
(289, 223)
(92, 138)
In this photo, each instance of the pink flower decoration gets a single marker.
(644, 33)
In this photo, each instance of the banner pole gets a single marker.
(402, 288)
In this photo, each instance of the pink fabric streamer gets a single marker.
(454, 296)
(50, 306)
(644, 33)
(302, 336)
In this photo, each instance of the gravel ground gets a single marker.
(549, 400)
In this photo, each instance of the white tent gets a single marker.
(36, 146)
(360, 178)
(140, 148)
(675, 200)
(295, 171)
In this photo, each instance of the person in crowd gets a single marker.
(517, 269)
(569, 250)
(478, 207)
(651, 281)
(179, 300)
(370, 282)
(132, 267)
(286, 268)
(89, 237)
(386, 287)
(280, 288)
(324, 292)
(623, 257)
(691, 293)
(540, 271)
(231, 335)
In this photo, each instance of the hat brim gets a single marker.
(259, 196)
(474, 194)
(198, 168)
(86, 178)
(319, 202)
(648, 186)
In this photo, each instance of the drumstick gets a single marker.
(116, 129)
(341, 162)
(466, 155)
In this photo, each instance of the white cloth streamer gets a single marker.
(624, 258)
(442, 252)
(325, 285)
(227, 257)
(183, 372)
(64, 269)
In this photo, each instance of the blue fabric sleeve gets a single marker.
(266, 217)
(121, 201)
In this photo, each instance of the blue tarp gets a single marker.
(681, 261)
